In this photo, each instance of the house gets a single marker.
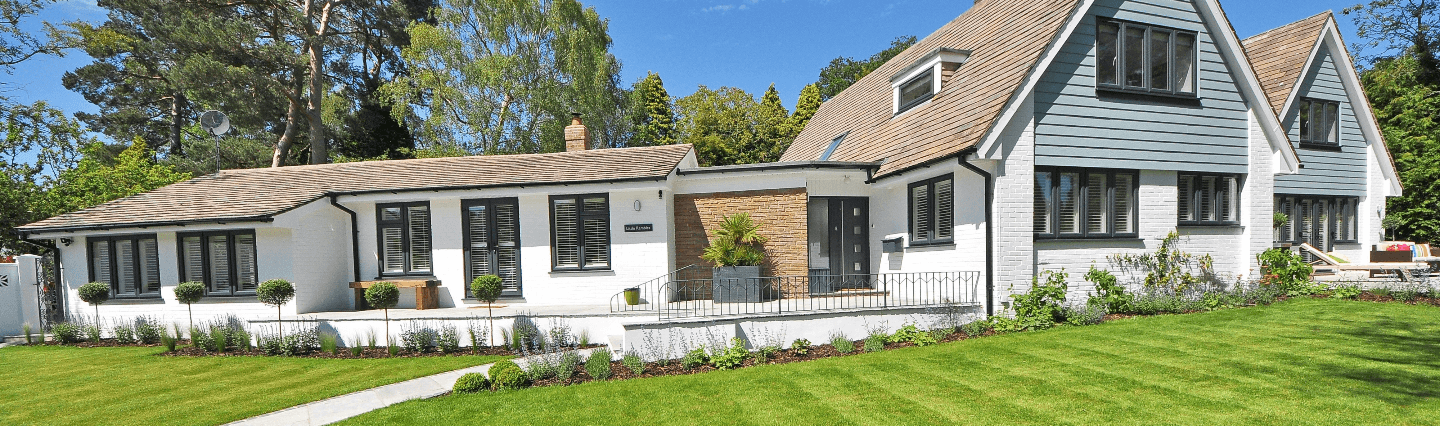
(1022, 136)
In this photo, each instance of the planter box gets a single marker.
(736, 284)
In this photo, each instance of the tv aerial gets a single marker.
(217, 124)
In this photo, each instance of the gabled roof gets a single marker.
(1281, 55)
(260, 194)
(1007, 39)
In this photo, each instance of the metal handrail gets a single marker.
(650, 291)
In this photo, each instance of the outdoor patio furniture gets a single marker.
(1405, 270)
(427, 292)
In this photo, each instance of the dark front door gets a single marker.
(849, 235)
(492, 242)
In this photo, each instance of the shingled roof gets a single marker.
(1007, 39)
(259, 194)
(1279, 56)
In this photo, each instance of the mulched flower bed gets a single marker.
(342, 353)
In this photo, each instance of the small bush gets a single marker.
(694, 359)
(29, 334)
(449, 339)
(913, 334)
(584, 338)
(168, 341)
(1407, 295)
(874, 343)
(1092, 313)
(598, 365)
(1351, 291)
(92, 332)
(976, 328)
(471, 383)
(418, 338)
(569, 361)
(67, 333)
(800, 347)
(633, 362)
(1108, 291)
(301, 342)
(329, 343)
(356, 350)
(506, 375)
(1288, 271)
(148, 330)
(1041, 306)
(731, 357)
(765, 353)
(842, 343)
(124, 334)
(393, 350)
(524, 333)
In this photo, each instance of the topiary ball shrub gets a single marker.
(275, 292)
(506, 375)
(471, 383)
(382, 295)
(189, 292)
(95, 294)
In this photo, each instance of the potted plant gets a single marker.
(736, 254)
(632, 296)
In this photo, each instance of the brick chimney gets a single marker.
(577, 136)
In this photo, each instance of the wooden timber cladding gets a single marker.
(781, 214)
(427, 292)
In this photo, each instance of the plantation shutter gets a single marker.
(1069, 203)
(1207, 198)
(1124, 205)
(392, 240)
(100, 261)
(150, 266)
(125, 266)
(596, 240)
(945, 209)
(1186, 189)
(1096, 186)
(419, 223)
(219, 263)
(478, 218)
(1042, 203)
(920, 216)
(567, 233)
(193, 252)
(507, 246)
(246, 272)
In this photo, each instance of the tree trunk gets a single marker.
(491, 308)
(177, 103)
(388, 343)
(292, 128)
(191, 312)
(279, 323)
(319, 152)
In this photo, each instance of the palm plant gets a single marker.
(736, 243)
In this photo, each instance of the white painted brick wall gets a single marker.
(1014, 206)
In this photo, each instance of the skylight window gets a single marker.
(833, 144)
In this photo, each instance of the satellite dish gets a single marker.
(215, 122)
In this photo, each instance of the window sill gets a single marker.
(1083, 240)
(938, 245)
(1321, 146)
(228, 298)
(1210, 225)
(582, 271)
(137, 300)
(1120, 92)
(407, 277)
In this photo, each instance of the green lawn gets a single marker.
(64, 385)
(1299, 362)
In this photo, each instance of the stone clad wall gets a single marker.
(781, 214)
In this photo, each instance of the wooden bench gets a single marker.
(427, 292)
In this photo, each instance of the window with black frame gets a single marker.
(1208, 199)
(1319, 122)
(580, 232)
(932, 211)
(1145, 58)
(129, 264)
(403, 230)
(1320, 221)
(916, 91)
(1085, 203)
(224, 260)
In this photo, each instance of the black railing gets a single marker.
(693, 292)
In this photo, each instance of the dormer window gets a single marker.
(922, 80)
(917, 91)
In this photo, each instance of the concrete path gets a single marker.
(327, 411)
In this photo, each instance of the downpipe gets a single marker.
(354, 236)
(989, 236)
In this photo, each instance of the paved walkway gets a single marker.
(327, 411)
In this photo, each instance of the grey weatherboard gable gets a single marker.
(1327, 171)
(1078, 127)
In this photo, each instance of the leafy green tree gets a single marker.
(16, 44)
(652, 113)
(487, 288)
(96, 179)
(383, 296)
(805, 108)
(1407, 112)
(720, 123)
(39, 143)
(844, 71)
(277, 293)
(772, 129)
(503, 77)
(1399, 28)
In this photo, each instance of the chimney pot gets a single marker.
(577, 136)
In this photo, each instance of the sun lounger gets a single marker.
(1324, 261)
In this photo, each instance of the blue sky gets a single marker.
(740, 43)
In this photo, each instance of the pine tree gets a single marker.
(772, 129)
(804, 109)
(652, 113)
